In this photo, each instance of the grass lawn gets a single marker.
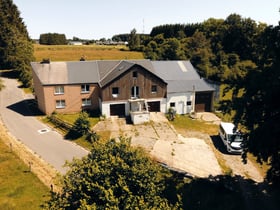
(71, 118)
(20, 189)
(89, 52)
(184, 122)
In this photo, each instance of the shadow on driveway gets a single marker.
(217, 142)
(27, 107)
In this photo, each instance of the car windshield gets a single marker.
(237, 138)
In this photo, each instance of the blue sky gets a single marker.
(95, 19)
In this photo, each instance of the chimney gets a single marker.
(45, 60)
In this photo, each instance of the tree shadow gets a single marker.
(11, 74)
(27, 107)
(225, 192)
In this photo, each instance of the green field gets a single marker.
(20, 189)
(89, 52)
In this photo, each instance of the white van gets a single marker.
(231, 137)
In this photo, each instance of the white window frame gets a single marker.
(134, 91)
(86, 102)
(59, 90)
(60, 104)
(85, 88)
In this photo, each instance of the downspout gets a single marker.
(193, 103)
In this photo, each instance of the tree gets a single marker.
(172, 50)
(113, 176)
(16, 48)
(82, 124)
(134, 40)
(53, 39)
(258, 108)
(198, 50)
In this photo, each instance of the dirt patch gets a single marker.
(45, 172)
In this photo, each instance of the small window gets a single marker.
(115, 92)
(86, 102)
(189, 103)
(154, 89)
(172, 104)
(60, 104)
(85, 88)
(58, 90)
(134, 74)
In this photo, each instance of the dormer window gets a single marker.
(85, 88)
(134, 74)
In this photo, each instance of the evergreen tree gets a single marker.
(53, 39)
(16, 49)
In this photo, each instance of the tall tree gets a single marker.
(134, 40)
(113, 176)
(16, 49)
(259, 109)
(198, 50)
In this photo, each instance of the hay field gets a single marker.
(89, 52)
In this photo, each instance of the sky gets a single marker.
(96, 19)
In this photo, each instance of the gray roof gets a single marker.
(175, 70)
(188, 85)
(179, 75)
(66, 72)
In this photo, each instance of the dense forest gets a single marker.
(222, 50)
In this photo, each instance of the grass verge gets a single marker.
(20, 189)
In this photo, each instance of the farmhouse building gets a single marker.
(120, 87)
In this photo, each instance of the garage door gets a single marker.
(117, 110)
(154, 106)
(203, 102)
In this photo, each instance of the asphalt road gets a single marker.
(44, 141)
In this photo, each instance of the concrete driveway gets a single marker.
(161, 140)
(44, 141)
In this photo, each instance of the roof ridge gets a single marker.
(100, 79)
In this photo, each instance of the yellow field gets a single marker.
(89, 52)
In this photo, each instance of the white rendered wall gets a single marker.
(180, 100)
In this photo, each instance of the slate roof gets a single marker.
(179, 75)
(59, 73)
